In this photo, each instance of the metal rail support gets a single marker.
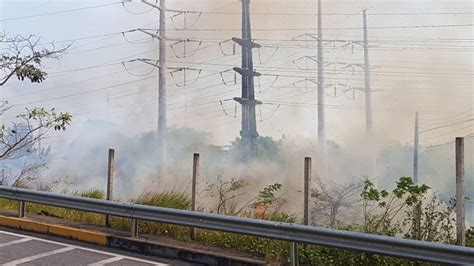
(134, 228)
(21, 209)
(294, 254)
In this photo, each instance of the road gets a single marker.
(17, 248)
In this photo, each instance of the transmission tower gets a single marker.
(248, 130)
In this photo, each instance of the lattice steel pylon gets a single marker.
(248, 131)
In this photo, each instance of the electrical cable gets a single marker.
(447, 125)
(60, 12)
(336, 28)
(449, 133)
(136, 13)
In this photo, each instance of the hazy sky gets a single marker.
(421, 56)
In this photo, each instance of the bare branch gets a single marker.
(24, 57)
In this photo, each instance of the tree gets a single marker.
(25, 170)
(22, 57)
(393, 213)
(333, 200)
(383, 208)
(36, 123)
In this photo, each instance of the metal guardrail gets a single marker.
(383, 245)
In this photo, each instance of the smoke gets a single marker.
(411, 71)
(279, 161)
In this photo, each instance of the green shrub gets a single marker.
(470, 237)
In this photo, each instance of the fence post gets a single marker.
(110, 181)
(193, 189)
(21, 209)
(306, 188)
(307, 177)
(460, 215)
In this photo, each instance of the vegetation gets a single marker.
(394, 213)
(470, 237)
(332, 200)
(173, 199)
(387, 206)
(22, 56)
(20, 161)
(389, 215)
(267, 148)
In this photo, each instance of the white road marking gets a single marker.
(81, 248)
(109, 260)
(15, 242)
(38, 256)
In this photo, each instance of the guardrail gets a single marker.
(383, 245)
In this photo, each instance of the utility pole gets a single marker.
(415, 150)
(322, 152)
(368, 92)
(162, 71)
(417, 210)
(162, 127)
(248, 131)
(320, 61)
(368, 99)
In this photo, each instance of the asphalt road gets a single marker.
(17, 248)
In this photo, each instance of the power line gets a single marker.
(94, 67)
(212, 96)
(87, 38)
(450, 117)
(470, 136)
(448, 125)
(60, 12)
(103, 47)
(344, 107)
(85, 68)
(376, 38)
(331, 14)
(303, 71)
(106, 64)
(65, 85)
(89, 91)
(136, 13)
(453, 120)
(451, 132)
(335, 28)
